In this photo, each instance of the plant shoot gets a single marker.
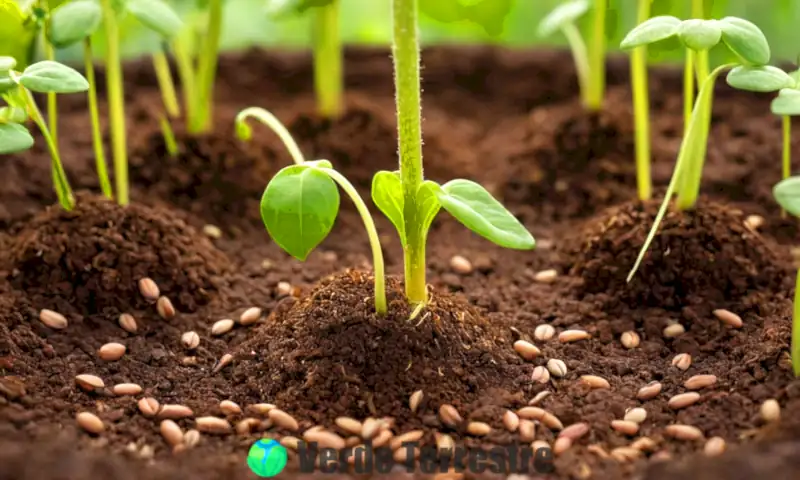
(641, 110)
(787, 194)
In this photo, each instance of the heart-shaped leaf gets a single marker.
(14, 138)
(650, 31)
(428, 203)
(49, 76)
(74, 21)
(746, 40)
(387, 194)
(699, 34)
(563, 14)
(474, 207)
(156, 15)
(299, 208)
(787, 194)
(786, 103)
(759, 79)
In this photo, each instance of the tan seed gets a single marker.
(682, 361)
(370, 428)
(510, 421)
(714, 446)
(597, 450)
(460, 265)
(527, 430)
(449, 415)
(754, 222)
(625, 426)
(630, 339)
(171, 432)
(651, 390)
(544, 332)
(557, 367)
(625, 454)
(728, 318)
(284, 289)
(222, 327)
(537, 399)
(540, 374)
(148, 406)
(636, 415)
(111, 352)
(128, 323)
(165, 308)
(594, 381)
(683, 432)
(770, 410)
(349, 425)
(538, 445)
(568, 336)
(478, 429)
(126, 389)
(250, 316)
(444, 442)
(645, 444)
(575, 431)
(247, 426)
(526, 350)
(90, 422)
(90, 383)
(230, 408)
(190, 340)
(546, 276)
(401, 455)
(531, 413)
(353, 441)
(551, 421)
(283, 420)
(191, 438)
(325, 439)
(291, 442)
(224, 361)
(697, 382)
(212, 231)
(52, 319)
(261, 408)
(149, 289)
(213, 425)
(382, 438)
(683, 400)
(673, 330)
(415, 400)
(175, 412)
(561, 445)
(408, 437)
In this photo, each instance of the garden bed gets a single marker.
(510, 120)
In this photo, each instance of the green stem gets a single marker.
(580, 57)
(405, 51)
(796, 328)
(207, 70)
(787, 150)
(169, 136)
(97, 135)
(597, 57)
(327, 60)
(166, 84)
(183, 60)
(688, 88)
(244, 132)
(372, 234)
(701, 58)
(641, 109)
(50, 54)
(116, 102)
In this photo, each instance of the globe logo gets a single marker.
(266, 458)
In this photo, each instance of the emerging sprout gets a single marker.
(787, 194)
(641, 110)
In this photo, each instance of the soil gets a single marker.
(505, 118)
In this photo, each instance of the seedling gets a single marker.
(787, 194)
(589, 62)
(750, 46)
(15, 89)
(641, 110)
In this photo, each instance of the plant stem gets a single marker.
(688, 88)
(786, 122)
(698, 11)
(169, 136)
(116, 102)
(50, 54)
(372, 234)
(641, 109)
(405, 52)
(166, 84)
(207, 70)
(327, 60)
(597, 57)
(183, 60)
(796, 329)
(97, 135)
(580, 57)
(271, 121)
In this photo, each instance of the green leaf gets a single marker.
(13, 115)
(445, 11)
(17, 36)
(6, 83)
(74, 21)
(474, 207)
(428, 203)
(699, 34)
(787, 194)
(759, 79)
(562, 15)
(280, 8)
(14, 138)
(156, 15)
(489, 14)
(786, 103)
(299, 208)
(746, 40)
(7, 64)
(49, 76)
(650, 31)
(387, 194)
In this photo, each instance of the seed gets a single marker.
(213, 425)
(728, 318)
(175, 412)
(539, 397)
(449, 415)
(527, 430)
(223, 362)
(382, 438)
(111, 351)
(754, 222)
(408, 437)
(682, 361)
(90, 422)
(531, 413)
(247, 425)
(526, 350)
(540, 374)
(165, 308)
(770, 410)
(148, 406)
(544, 332)
(126, 389)
(325, 439)
(510, 421)
(568, 336)
(53, 319)
(212, 231)
(261, 408)
(546, 276)
(349, 425)
(625, 426)
(645, 444)
(630, 339)
(575, 431)
(149, 289)
(551, 421)
(683, 432)
(661, 456)
(291, 442)
(683, 400)
(222, 327)
(444, 442)
(90, 383)
(283, 419)
(190, 340)
(594, 381)
(538, 445)
(597, 450)
(460, 265)
(230, 408)
(651, 390)
(478, 429)
(557, 367)
(636, 415)
(128, 323)
(284, 289)
(250, 316)
(191, 438)
(415, 400)
(674, 330)
(561, 445)
(700, 381)
(353, 441)
(625, 454)
(401, 455)
(714, 446)
(171, 432)
(370, 428)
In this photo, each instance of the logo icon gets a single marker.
(266, 458)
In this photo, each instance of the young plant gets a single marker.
(589, 62)
(15, 89)
(641, 110)
(750, 46)
(787, 194)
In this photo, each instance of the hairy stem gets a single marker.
(207, 70)
(243, 130)
(580, 57)
(796, 329)
(97, 134)
(327, 60)
(166, 84)
(597, 57)
(116, 102)
(641, 109)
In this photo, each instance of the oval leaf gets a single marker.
(387, 194)
(49, 76)
(786, 103)
(746, 40)
(7, 63)
(298, 208)
(563, 14)
(14, 138)
(13, 115)
(650, 31)
(787, 194)
(699, 34)
(474, 207)
(759, 79)
(6, 83)
(156, 15)
(74, 21)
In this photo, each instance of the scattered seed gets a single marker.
(683, 432)
(222, 327)
(291, 442)
(191, 438)
(247, 425)
(561, 445)
(382, 438)
(625, 454)
(478, 429)
(770, 410)
(190, 340)
(165, 308)
(283, 419)
(128, 323)
(250, 316)
(754, 222)
(625, 426)
(539, 397)
(213, 425)
(510, 421)
(449, 415)
(52, 319)
(645, 444)
(683, 400)
(527, 430)
(636, 415)
(171, 432)
(353, 441)
(682, 361)
(551, 421)
(90, 422)
(149, 289)
(284, 289)
(189, 361)
(415, 400)
(594, 381)
(325, 439)
(230, 408)
(574, 431)
(444, 442)
(401, 455)
(175, 412)
(526, 350)
(630, 339)
(90, 383)
(674, 330)
(714, 446)
(460, 265)
(697, 382)
(126, 389)
(408, 437)
(651, 390)
(597, 450)
(370, 428)
(540, 374)
(223, 362)
(148, 406)
(728, 318)
(261, 408)
(546, 276)
(538, 445)
(568, 336)
(531, 413)
(557, 367)
(212, 231)
(111, 352)
(544, 332)
(349, 425)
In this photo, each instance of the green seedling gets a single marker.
(589, 61)
(748, 43)
(641, 110)
(787, 194)
(16, 90)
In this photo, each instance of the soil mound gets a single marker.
(704, 256)
(90, 260)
